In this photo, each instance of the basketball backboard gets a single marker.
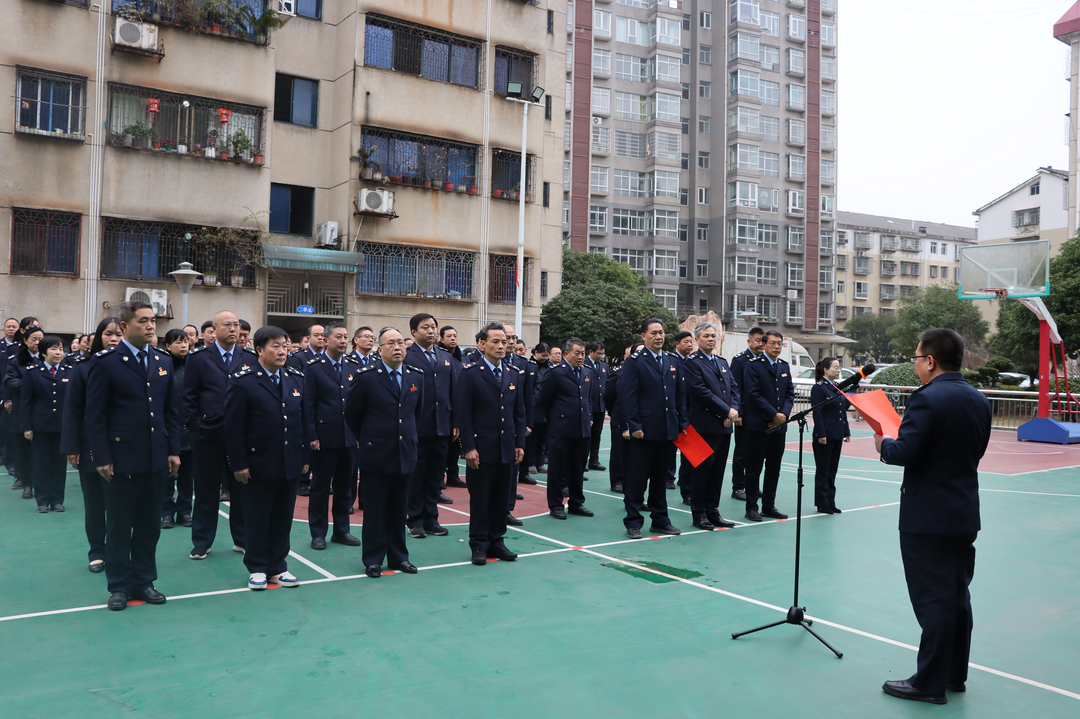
(1021, 268)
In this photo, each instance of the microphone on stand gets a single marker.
(860, 374)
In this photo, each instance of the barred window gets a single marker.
(231, 16)
(151, 250)
(667, 145)
(194, 123)
(502, 280)
(506, 171)
(401, 270)
(51, 104)
(601, 139)
(44, 243)
(630, 144)
(514, 66)
(422, 51)
(416, 159)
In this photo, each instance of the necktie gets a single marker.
(660, 361)
(577, 374)
(498, 372)
(431, 357)
(337, 370)
(141, 356)
(396, 374)
(275, 379)
(52, 370)
(228, 359)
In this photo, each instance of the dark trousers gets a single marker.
(489, 485)
(763, 450)
(536, 445)
(211, 471)
(648, 463)
(686, 479)
(268, 515)
(179, 488)
(568, 455)
(383, 534)
(354, 481)
(938, 569)
(24, 459)
(707, 479)
(738, 460)
(453, 454)
(330, 467)
(594, 440)
(826, 462)
(618, 458)
(132, 528)
(7, 437)
(50, 468)
(93, 492)
(424, 485)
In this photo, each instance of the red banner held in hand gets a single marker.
(878, 412)
(693, 447)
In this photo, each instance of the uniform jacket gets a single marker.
(942, 437)
(712, 392)
(325, 398)
(264, 426)
(436, 412)
(738, 368)
(768, 390)
(13, 381)
(299, 360)
(654, 396)
(43, 397)
(132, 421)
(541, 371)
(73, 438)
(205, 380)
(567, 401)
(384, 419)
(830, 420)
(490, 413)
(179, 376)
(372, 356)
(611, 399)
(529, 370)
(601, 370)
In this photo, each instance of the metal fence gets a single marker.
(44, 243)
(400, 270)
(418, 50)
(410, 159)
(502, 280)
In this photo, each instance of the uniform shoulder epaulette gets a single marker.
(637, 354)
(779, 360)
(197, 350)
(695, 354)
(315, 359)
(105, 351)
(521, 371)
(349, 359)
(759, 358)
(532, 361)
(243, 372)
(248, 349)
(83, 358)
(471, 365)
(412, 369)
(367, 369)
(293, 370)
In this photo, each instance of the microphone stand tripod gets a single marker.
(797, 615)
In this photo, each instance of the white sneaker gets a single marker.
(285, 580)
(257, 581)
(238, 548)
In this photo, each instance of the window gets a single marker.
(551, 21)
(770, 129)
(666, 184)
(768, 272)
(705, 54)
(743, 46)
(887, 292)
(828, 102)
(796, 61)
(569, 17)
(601, 139)
(296, 100)
(1034, 189)
(312, 9)
(633, 107)
(686, 56)
(547, 194)
(828, 68)
(796, 238)
(744, 11)
(796, 96)
(416, 159)
(770, 93)
(702, 268)
(796, 134)
(825, 241)
(601, 61)
(666, 223)
(686, 23)
(632, 68)
(566, 212)
(704, 124)
(53, 104)
(684, 196)
(514, 66)
(703, 160)
(601, 101)
(665, 263)
(291, 209)
(636, 32)
(636, 259)
(769, 197)
(744, 157)
(743, 119)
(569, 95)
(744, 82)
(862, 290)
(1022, 218)
(148, 251)
(796, 202)
(796, 167)
(566, 174)
(703, 195)
(684, 125)
(630, 144)
(667, 145)
(742, 269)
(543, 283)
(44, 243)
(828, 172)
(670, 298)
(706, 20)
(956, 274)
(742, 232)
(839, 287)
(908, 290)
(667, 107)
(644, 4)
(770, 23)
(630, 184)
(860, 310)
(597, 219)
(933, 271)
(422, 51)
(770, 57)
(668, 31)
(828, 137)
(400, 269)
(506, 172)
(704, 90)
(668, 68)
(702, 232)
(945, 248)
(634, 223)
(794, 312)
(796, 27)
(598, 179)
(686, 91)
(828, 33)
(547, 107)
(742, 194)
(598, 250)
(502, 279)
(684, 233)
(601, 23)
(933, 248)
(768, 309)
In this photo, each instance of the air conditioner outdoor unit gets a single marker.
(380, 201)
(158, 298)
(327, 235)
(139, 35)
(793, 294)
(598, 121)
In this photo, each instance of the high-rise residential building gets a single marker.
(374, 160)
(703, 150)
(1067, 30)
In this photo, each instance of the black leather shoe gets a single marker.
(443, 499)
(518, 496)
(581, 511)
(526, 480)
(118, 601)
(670, 484)
(704, 524)
(479, 557)
(558, 513)
(502, 553)
(773, 513)
(167, 523)
(406, 567)
(541, 469)
(739, 494)
(97, 566)
(318, 543)
(58, 508)
(303, 490)
(417, 532)
(28, 493)
(646, 508)
(437, 530)
(669, 529)
(17, 484)
(185, 521)
(347, 539)
(456, 482)
(824, 510)
(956, 686)
(513, 521)
(904, 690)
(351, 509)
(597, 467)
(686, 501)
(617, 488)
(43, 509)
(373, 570)
(152, 596)
(224, 496)
(753, 515)
(719, 521)
(633, 533)
(835, 510)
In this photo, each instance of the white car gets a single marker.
(805, 380)
(1015, 378)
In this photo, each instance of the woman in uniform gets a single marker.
(830, 430)
(26, 357)
(44, 388)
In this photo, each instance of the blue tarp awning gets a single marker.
(311, 258)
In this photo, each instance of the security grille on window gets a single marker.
(630, 144)
(825, 313)
(133, 250)
(51, 104)
(768, 309)
(909, 269)
(666, 145)
(426, 52)
(841, 312)
(506, 171)
(406, 270)
(1023, 218)
(862, 241)
(887, 292)
(887, 268)
(862, 266)
(601, 139)
(514, 66)
(841, 262)
(502, 280)
(597, 219)
(416, 159)
(933, 271)
(44, 243)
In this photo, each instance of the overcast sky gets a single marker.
(946, 104)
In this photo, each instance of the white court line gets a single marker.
(308, 562)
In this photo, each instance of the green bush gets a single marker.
(971, 377)
(901, 375)
(986, 376)
(1001, 364)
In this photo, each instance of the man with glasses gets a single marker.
(766, 402)
(206, 379)
(363, 344)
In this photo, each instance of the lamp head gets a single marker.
(537, 93)
(185, 276)
(513, 89)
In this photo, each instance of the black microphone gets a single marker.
(853, 380)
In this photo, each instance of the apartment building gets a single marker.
(703, 150)
(361, 162)
(1067, 30)
(881, 260)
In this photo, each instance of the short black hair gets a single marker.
(443, 330)
(264, 334)
(206, 325)
(595, 345)
(193, 327)
(307, 332)
(651, 321)
(774, 333)
(755, 331)
(129, 308)
(331, 326)
(27, 322)
(680, 336)
(490, 326)
(419, 317)
(48, 341)
(173, 335)
(245, 325)
(571, 343)
(360, 331)
(945, 346)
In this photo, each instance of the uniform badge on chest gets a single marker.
(295, 392)
(511, 386)
(161, 372)
(413, 388)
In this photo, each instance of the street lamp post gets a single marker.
(513, 94)
(185, 278)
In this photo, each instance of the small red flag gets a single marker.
(693, 447)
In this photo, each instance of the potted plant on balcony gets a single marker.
(129, 11)
(210, 150)
(210, 279)
(368, 166)
(197, 152)
(140, 134)
(191, 14)
(269, 20)
(169, 145)
(218, 12)
(241, 145)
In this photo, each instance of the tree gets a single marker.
(871, 335)
(601, 299)
(937, 306)
(1017, 334)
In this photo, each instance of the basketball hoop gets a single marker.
(1000, 292)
